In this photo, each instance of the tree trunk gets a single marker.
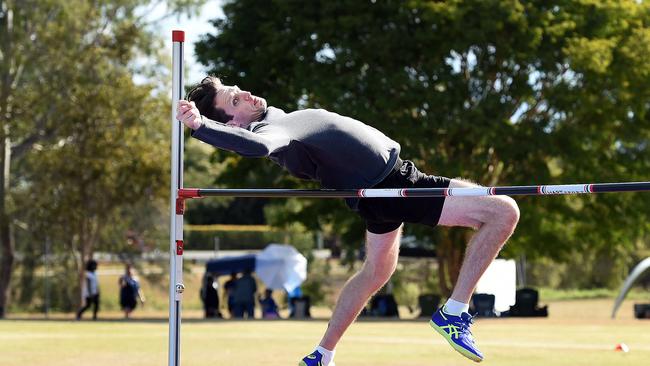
(83, 258)
(6, 262)
(6, 245)
(6, 79)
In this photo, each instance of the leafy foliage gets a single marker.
(85, 168)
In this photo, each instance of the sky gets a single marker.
(194, 28)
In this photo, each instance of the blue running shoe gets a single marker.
(314, 359)
(456, 331)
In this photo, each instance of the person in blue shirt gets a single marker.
(268, 305)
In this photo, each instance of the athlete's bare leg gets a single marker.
(494, 217)
(382, 251)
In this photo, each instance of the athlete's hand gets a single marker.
(187, 113)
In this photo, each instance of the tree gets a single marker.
(82, 135)
(500, 92)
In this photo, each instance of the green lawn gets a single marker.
(577, 333)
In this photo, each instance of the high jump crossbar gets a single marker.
(180, 194)
(420, 192)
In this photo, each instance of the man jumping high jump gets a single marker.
(343, 153)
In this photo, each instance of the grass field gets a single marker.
(576, 333)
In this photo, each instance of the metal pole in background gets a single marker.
(46, 277)
(176, 286)
(216, 246)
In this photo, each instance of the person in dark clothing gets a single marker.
(130, 292)
(210, 298)
(229, 289)
(292, 297)
(343, 153)
(90, 290)
(244, 296)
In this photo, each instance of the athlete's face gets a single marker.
(242, 105)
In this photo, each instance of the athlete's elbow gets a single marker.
(257, 152)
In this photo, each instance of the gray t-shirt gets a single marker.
(338, 151)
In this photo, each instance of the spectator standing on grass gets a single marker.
(292, 296)
(90, 290)
(130, 292)
(210, 298)
(244, 296)
(229, 289)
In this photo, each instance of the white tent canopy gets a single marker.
(281, 266)
(636, 273)
(500, 280)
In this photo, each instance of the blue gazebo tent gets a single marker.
(228, 265)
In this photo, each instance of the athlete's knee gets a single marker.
(509, 211)
(504, 213)
(378, 271)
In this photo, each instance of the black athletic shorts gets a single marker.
(384, 215)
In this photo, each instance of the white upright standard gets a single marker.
(176, 286)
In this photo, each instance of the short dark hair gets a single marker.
(91, 265)
(203, 97)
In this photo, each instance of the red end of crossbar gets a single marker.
(188, 193)
(178, 36)
(183, 194)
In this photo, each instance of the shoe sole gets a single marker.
(458, 348)
(302, 363)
